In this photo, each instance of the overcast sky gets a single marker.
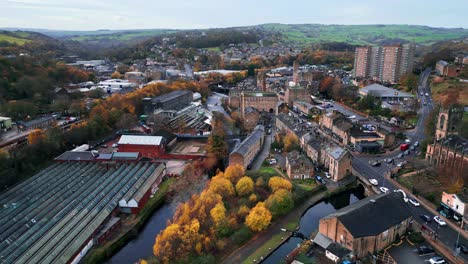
(188, 14)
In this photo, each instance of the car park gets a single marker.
(383, 189)
(374, 182)
(425, 250)
(439, 221)
(414, 202)
(426, 218)
(437, 260)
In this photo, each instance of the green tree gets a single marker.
(280, 202)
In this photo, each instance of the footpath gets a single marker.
(258, 240)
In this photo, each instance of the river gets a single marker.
(310, 220)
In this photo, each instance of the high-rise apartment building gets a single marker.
(387, 63)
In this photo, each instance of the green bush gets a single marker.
(242, 235)
(416, 237)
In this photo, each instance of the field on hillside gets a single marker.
(13, 40)
(364, 34)
(123, 36)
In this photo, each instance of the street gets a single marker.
(447, 235)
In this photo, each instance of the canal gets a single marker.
(310, 220)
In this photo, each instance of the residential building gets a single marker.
(368, 226)
(148, 146)
(251, 117)
(455, 206)
(444, 68)
(387, 64)
(246, 151)
(298, 166)
(337, 160)
(361, 61)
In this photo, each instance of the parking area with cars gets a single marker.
(414, 254)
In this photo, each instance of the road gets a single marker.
(263, 154)
(446, 234)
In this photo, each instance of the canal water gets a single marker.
(310, 220)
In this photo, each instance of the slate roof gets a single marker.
(378, 90)
(455, 142)
(335, 151)
(170, 96)
(245, 145)
(373, 215)
(338, 250)
(77, 156)
(165, 134)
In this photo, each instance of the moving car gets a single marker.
(414, 202)
(437, 260)
(424, 250)
(439, 220)
(404, 147)
(327, 174)
(426, 218)
(374, 182)
(383, 189)
(400, 155)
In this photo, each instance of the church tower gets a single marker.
(449, 122)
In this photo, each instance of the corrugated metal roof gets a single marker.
(140, 140)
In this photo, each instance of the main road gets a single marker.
(446, 234)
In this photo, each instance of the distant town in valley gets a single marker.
(274, 143)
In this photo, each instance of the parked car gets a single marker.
(383, 189)
(414, 202)
(412, 148)
(317, 169)
(407, 141)
(320, 179)
(439, 221)
(374, 182)
(400, 164)
(426, 218)
(437, 260)
(374, 163)
(407, 152)
(424, 250)
(390, 160)
(328, 175)
(416, 144)
(400, 155)
(272, 162)
(115, 145)
(427, 94)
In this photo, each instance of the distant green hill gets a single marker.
(15, 38)
(363, 34)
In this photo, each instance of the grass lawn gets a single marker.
(264, 249)
(267, 170)
(440, 90)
